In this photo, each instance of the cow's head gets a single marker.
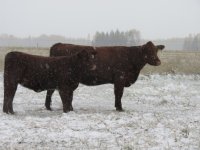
(86, 59)
(149, 52)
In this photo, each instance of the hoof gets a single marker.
(71, 108)
(66, 111)
(49, 108)
(11, 111)
(120, 109)
(8, 109)
(5, 111)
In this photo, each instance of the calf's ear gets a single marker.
(160, 47)
(149, 43)
(94, 52)
(83, 54)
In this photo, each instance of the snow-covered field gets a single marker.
(161, 112)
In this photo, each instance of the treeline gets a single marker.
(192, 42)
(40, 41)
(117, 38)
(112, 38)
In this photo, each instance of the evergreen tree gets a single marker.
(117, 38)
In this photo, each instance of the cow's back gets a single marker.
(61, 49)
(104, 55)
(12, 62)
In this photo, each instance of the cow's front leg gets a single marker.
(118, 90)
(65, 95)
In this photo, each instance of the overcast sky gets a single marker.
(78, 18)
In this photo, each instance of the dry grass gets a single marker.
(172, 61)
(177, 62)
(35, 51)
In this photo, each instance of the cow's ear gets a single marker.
(147, 45)
(160, 47)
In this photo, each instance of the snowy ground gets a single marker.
(161, 112)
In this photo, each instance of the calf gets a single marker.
(118, 65)
(43, 73)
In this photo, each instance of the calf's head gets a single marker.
(149, 52)
(86, 60)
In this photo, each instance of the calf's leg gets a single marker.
(9, 93)
(65, 97)
(71, 98)
(48, 99)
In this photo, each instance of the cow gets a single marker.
(41, 73)
(118, 65)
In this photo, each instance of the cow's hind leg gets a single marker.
(9, 93)
(48, 99)
(118, 90)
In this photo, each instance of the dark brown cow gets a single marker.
(117, 65)
(43, 73)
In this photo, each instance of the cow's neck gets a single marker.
(76, 67)
(136, 59)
